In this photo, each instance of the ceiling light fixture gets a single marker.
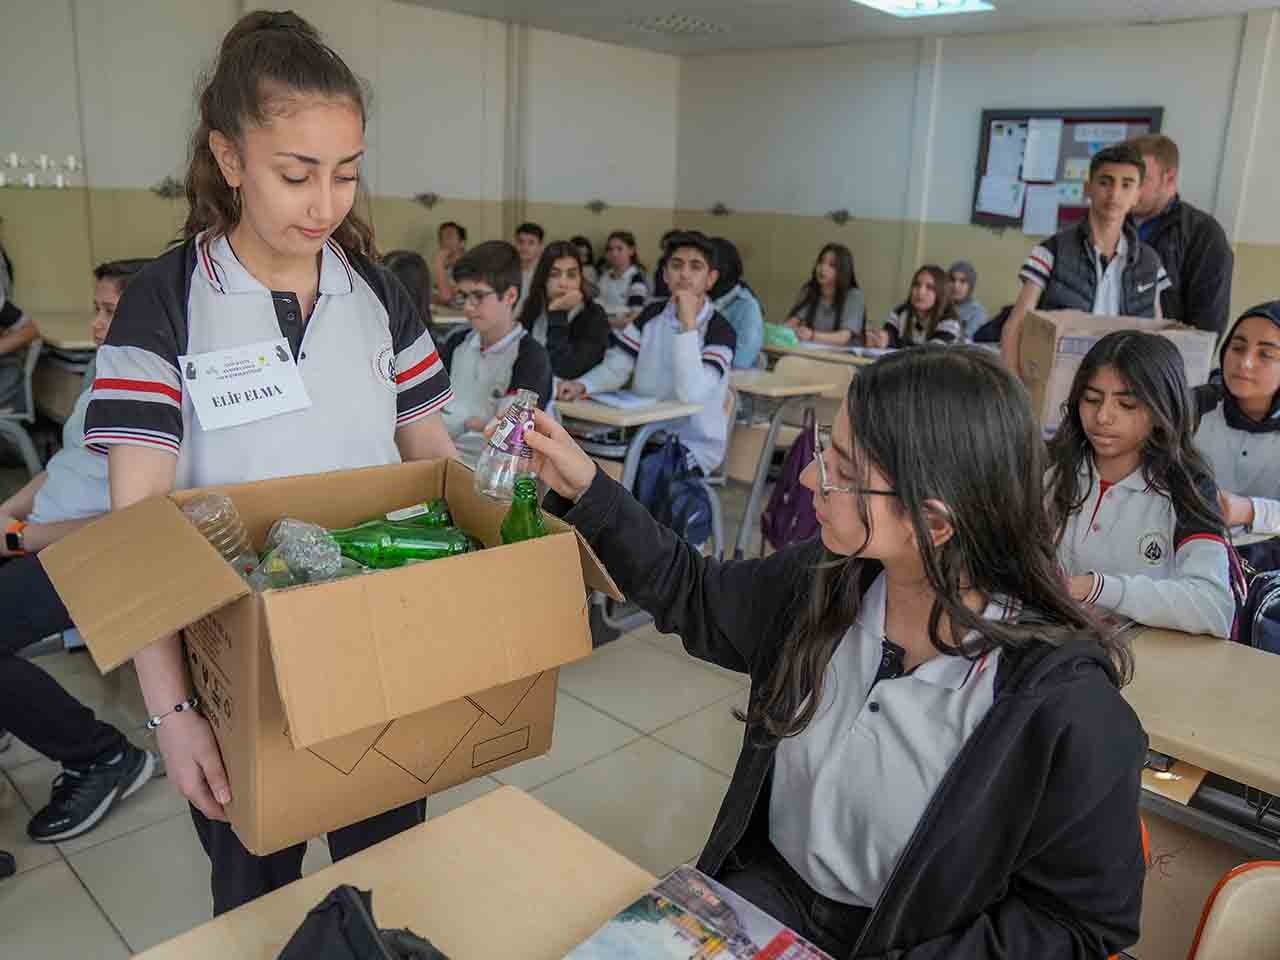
(927, 8)
(678, 25)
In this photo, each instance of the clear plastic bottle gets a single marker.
(506, 456)
(215, 516)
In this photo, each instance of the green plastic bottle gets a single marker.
(383, 544)
(524, 520)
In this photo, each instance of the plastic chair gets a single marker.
(1240, 918)
(13, 423)
(718, 477)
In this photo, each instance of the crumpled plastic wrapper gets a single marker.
(300, 552)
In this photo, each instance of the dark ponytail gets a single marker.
(266, 57)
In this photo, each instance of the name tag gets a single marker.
(244, 384)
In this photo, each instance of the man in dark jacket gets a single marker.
(1192, 245)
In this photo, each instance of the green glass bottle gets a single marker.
(432, 514)
(382, 544)
(524, 520)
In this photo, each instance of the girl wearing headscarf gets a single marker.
(963, 280)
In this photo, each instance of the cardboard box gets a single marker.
(1054, 342)
(336, 701)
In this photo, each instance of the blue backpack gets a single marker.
(673, 493)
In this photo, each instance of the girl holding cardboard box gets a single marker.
(274, 259)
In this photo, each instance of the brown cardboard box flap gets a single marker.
(136, 575)
(370, 649)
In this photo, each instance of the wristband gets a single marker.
(14, 541)
(154, 722)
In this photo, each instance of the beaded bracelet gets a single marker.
(191, 704)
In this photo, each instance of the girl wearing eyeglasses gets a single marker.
(936, 760)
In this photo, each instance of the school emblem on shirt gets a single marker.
(384, 365)
(1153, 548)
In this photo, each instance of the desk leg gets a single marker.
(635, 449)
(750, 519)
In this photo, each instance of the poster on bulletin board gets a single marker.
(1033, 164)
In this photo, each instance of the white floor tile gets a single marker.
(646, 801)
(711, 735)
(156, 802)
(14, 816)
(46, 913)
(671, 644)
(641, 686)
(582, 734)
(153, 883)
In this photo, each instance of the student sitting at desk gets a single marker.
(737, 303)
(926, 316)
(100, 767)
(452, 238)
(936, 761)
(623, 284)
(493, 357)
(962, 283)
(561, 314)
(678, 349)
(1239, 432)
(411, 270)
(1134, 504)
(830, 308)
(16, 331)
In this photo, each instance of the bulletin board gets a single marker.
(1032, 164)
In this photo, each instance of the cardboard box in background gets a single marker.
(1183, 868)
(336, 701)
(1054, 342)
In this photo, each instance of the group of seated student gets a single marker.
(926, 316)
(100, 767)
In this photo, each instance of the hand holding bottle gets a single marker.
(557, 459)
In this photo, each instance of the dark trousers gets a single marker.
(33, 705)
(239, 876)
(764, 877)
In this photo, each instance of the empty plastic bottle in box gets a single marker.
(215, 516)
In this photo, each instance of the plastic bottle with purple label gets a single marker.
(506, 456)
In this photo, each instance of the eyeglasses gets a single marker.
(476, 297)
(821, 440)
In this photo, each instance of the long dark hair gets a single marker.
(412, 271)
(264, 58)
(806, 306)
(949, 424)
(943, 307)
(1171, 465)
(536, 302)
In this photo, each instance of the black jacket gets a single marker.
(1073, 282)
(576, 346)
(1031, 846)
(1198, 258)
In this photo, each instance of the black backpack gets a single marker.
(341, 927)
(1258, 625)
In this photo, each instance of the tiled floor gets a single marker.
(644, 747)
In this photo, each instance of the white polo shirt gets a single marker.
(848, 791)
(364, 356)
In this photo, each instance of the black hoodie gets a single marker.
(1031, 846)
(1215, 394)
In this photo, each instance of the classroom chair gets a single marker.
(13, 423)
(719, 476)
(1240, 918)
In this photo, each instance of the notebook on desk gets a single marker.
(624, 400)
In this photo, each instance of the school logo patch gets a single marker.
(384, 366)
(1153, 548)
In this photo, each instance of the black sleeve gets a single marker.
(1206, 278)
(730, 614)
(532, 370)
(578, 346)
(450, 344)
(891, 328)
(719, 345)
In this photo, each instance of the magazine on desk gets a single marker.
(688, 916)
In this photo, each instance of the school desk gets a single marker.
(642, 422)
(829, 355)
(1214, 704)
(67, 330)
(787, 391)
(56, 385)
(503, 876)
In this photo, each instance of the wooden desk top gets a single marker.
(1210, 702)
(593, 411)
(818, 353)
(67, 331)
(764, 383)
(503, 876)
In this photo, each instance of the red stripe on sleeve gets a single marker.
(417, 368)
(138, 386)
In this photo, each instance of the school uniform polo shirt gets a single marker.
(627, 290)
(848, 792)
(75, 483)
(364, 357)
(1152, 565)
